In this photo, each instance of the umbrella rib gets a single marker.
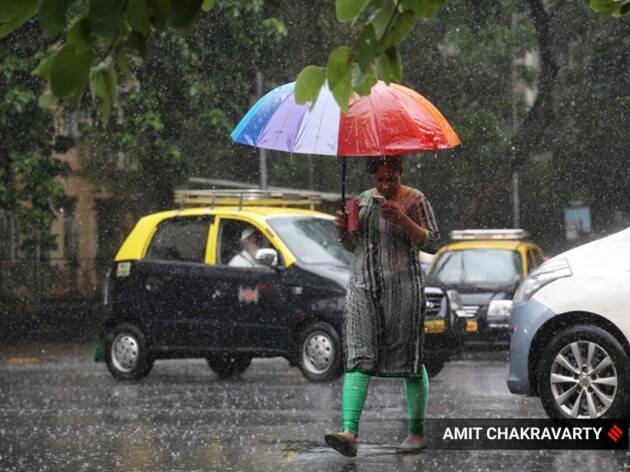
(286, 119)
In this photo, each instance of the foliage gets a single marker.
(382, 27)
(607, 8)
(28, 186)
(177, 123)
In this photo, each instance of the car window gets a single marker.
(238, 242)
(312, 240)
(180, 239)
(478, 267)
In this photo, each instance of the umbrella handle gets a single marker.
(343, 184)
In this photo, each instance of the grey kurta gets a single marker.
(384, 326)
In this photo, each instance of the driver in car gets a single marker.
(251, 241)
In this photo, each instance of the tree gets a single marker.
(28, 189)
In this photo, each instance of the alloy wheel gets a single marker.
(583, 380)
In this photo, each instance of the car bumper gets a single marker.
(527, 318)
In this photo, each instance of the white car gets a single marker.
(570, 330)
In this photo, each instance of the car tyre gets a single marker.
(228, 366)
(319, 352)
(127, 353)
(599, 387)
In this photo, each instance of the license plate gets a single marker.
(471, 326)
(434, 326)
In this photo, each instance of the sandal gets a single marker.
(341, 443)
(409, 446)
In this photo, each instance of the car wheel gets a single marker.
(319, 352)
(127, 353)
(583, 373)
(228, 366)
(434, 365)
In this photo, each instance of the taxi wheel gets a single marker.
(227, 366)
(127, 353)
(583, 373)
(319, 352)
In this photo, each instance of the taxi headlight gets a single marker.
(543, 275)
(499, 310)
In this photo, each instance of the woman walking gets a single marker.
(383, 327)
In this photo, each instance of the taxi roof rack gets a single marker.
(492, 234)
(247, 197)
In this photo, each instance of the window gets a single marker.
(238, 243)
(181, 239)
(478, 267)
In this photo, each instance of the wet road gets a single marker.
(61, 411)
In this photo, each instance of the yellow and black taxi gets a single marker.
(486, 266)
(236, 275)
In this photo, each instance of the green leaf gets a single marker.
(400, 28)
(308, 84)
(339, 65)
(348, 10)
(44, 67)
(603, 6)
(343, 91)
(362, 82)
(366, 47)
(138, 16)
(79, 34)
(14, 14)
(106, 17)
(423, 8)
(183, 12)
(52, 16)
(389, 66)
(381, 20)
(207, 5)
(69, 70)
(9, 9)
(123, 65)
(98, 89)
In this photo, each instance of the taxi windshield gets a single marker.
(312, 240)
(478, 267)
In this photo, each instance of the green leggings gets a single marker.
(355, 387)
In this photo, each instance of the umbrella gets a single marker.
(390, 121)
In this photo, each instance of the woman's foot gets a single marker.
(344, 442)
(412, 443)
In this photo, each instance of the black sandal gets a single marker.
(342, 444)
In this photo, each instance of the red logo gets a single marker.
(615, 433)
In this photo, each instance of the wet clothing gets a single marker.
(355, 387)
(383, 326)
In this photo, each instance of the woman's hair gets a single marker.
(394, 163)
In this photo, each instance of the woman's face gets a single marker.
(387, 181)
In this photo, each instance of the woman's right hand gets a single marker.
(341, 221)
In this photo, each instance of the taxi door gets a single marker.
(178, 286)
(254, 308)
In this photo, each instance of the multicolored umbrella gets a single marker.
(391, 121)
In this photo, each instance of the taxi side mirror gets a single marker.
(267, 257)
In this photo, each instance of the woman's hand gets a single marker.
(392, 211)
(341, 221)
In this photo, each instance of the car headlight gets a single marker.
(455, 300)
(543, 275)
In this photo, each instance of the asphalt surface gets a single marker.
(61, 411)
